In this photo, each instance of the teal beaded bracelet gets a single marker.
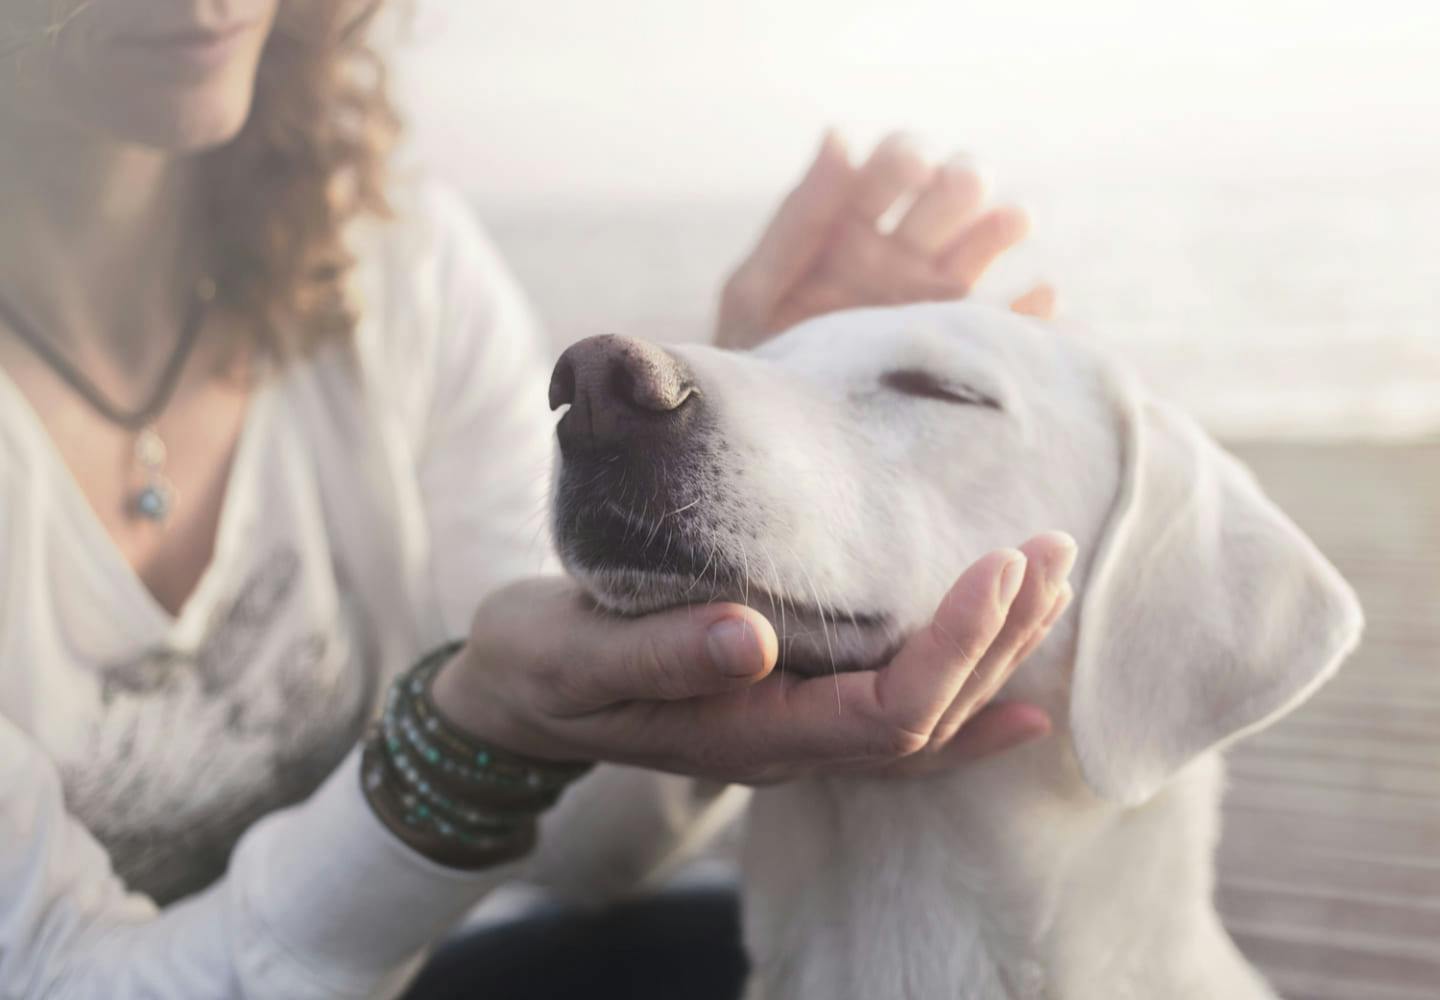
(458, 800)
(432, 834)
(416, 726)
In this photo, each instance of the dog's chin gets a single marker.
(633, 567)
(812, 640)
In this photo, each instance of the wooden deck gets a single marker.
(1330, 860)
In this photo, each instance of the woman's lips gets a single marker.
(201, 49)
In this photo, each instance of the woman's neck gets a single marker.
(98, 248)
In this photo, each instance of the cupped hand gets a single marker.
(825, 248)
(693, 690)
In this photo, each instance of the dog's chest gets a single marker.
(894, 888)
(1006, 880)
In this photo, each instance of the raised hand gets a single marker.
(828, 246)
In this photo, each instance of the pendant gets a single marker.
(157, 496)
(152, 503)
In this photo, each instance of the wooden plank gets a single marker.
(1329, 866)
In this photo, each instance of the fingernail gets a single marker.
(1011, 577)
(1065, 560)
(733, 647)
(903, 145)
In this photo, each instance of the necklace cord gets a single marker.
(86, 389)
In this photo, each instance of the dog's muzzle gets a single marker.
(636, 448)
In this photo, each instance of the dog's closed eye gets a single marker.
(918, 382)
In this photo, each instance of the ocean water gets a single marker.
(1270, 309)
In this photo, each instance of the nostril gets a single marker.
(562, 384)
(618, 393)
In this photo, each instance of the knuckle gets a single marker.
(993, 616)
(956, 648)
(653, 670)
(904, 741)
(895, 739)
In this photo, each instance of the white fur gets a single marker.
(1073, 868)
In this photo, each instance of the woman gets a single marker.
(271, 432)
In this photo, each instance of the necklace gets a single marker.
(154, 500)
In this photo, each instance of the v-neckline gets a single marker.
(100, 550)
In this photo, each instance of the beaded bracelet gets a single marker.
(457, 800)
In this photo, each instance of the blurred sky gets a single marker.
(674, 98)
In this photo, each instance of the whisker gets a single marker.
(745, 563)
(824, 631)
(681, 510)
(701, 575)
(779, 592)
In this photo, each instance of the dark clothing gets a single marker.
(675, 946)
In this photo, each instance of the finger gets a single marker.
(971, 253)
(862, 268)
(894, 169)
(1039, 301)
(800, 228)
(863, 715)
(1067, 594)
(995, 728)
(869, 268)
(682, 653)
(1049, 558)
(914, 689)
(941, 211)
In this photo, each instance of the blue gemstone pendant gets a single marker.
(156, 497)
(153, 502)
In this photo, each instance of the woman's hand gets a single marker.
(824, 249)
(691, 690)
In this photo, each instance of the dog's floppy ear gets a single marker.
(1206, 615)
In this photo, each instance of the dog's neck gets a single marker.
(1007, 880)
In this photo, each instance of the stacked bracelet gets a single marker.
(455, 799)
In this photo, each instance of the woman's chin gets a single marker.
(180, 122)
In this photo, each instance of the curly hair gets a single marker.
(311, 157)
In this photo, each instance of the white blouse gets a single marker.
(151, 844)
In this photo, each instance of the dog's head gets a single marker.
(841, 476)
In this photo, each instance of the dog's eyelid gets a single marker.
(918, 382)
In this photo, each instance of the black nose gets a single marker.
(623, 394)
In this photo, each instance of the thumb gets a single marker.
(669, 655)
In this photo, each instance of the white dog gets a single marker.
(845, 473)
